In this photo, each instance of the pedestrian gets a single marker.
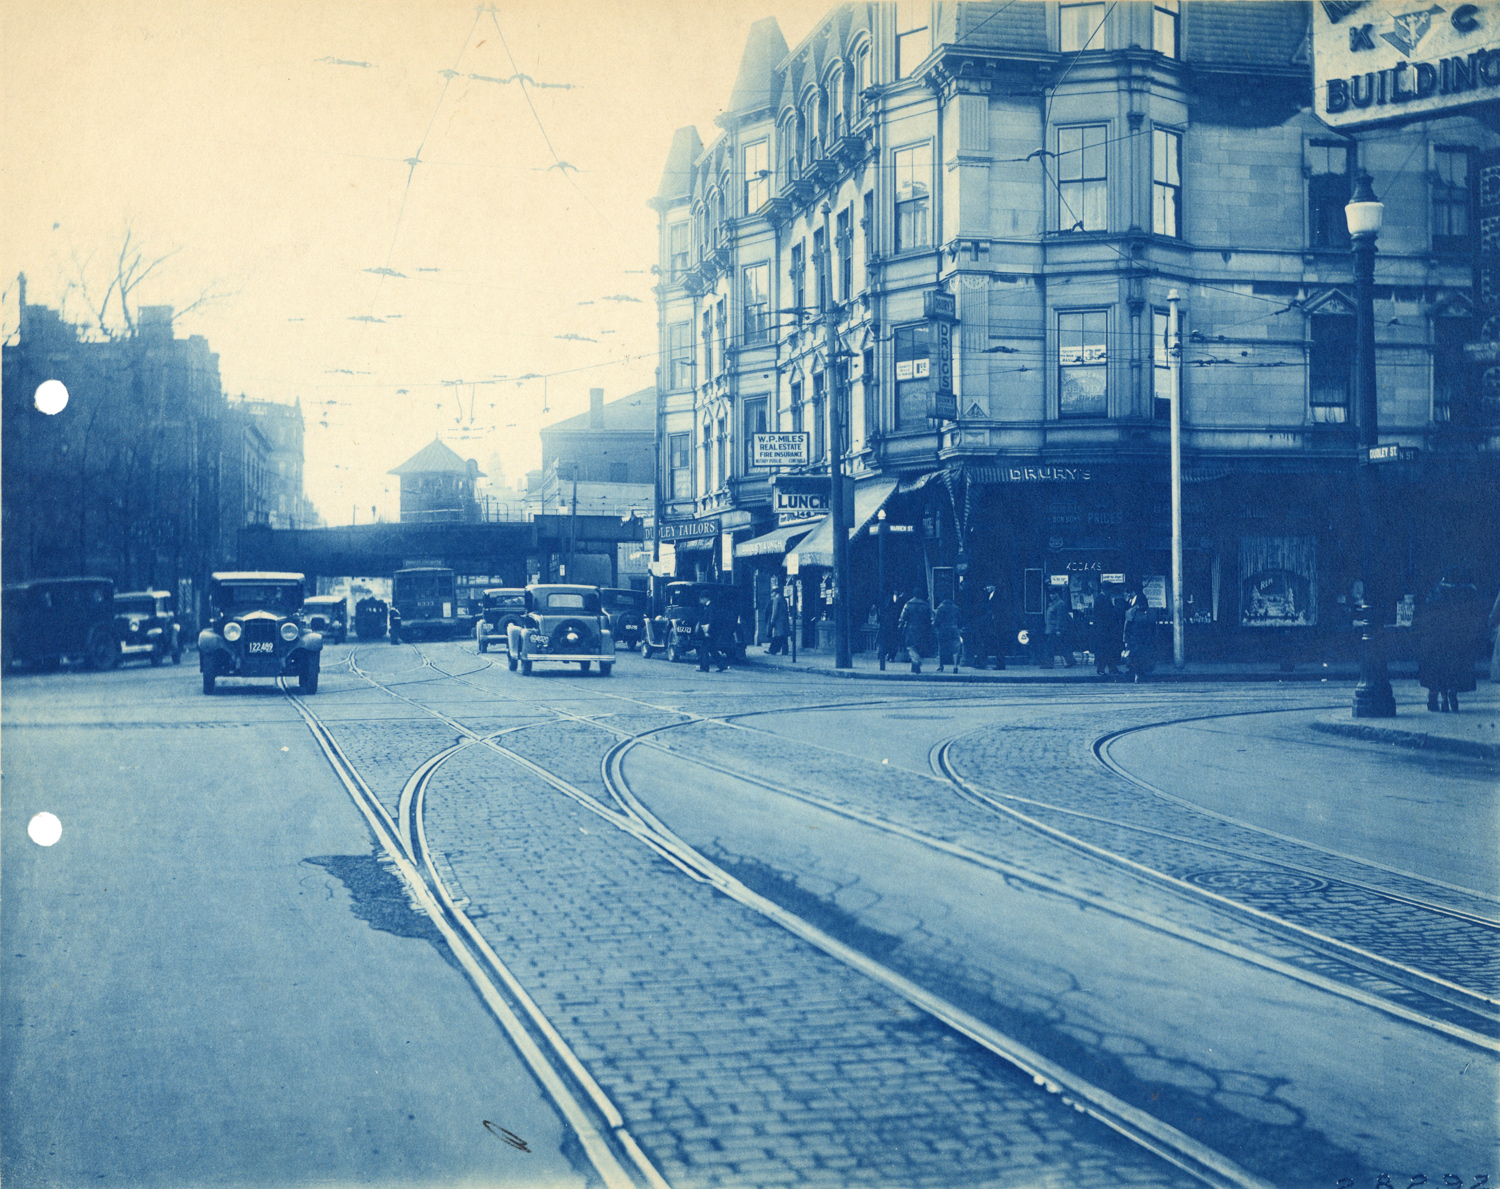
(1056, 625)
(995, 620)
(778, 623)
(1139, 637)
(887, 638)
(915, 626)
(949, 638)
(1448, 638)
(1109, 633)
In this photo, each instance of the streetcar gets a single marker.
(424, 602)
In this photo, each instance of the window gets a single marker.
(1450, 200)
(721, 443)
(799, 275)
(680, 465)
(846, 252)
(757, 302)
(680, 355)
(820, 268)
(1078, 27)
(1161, 360)
(722, 320)
(913, 35)
(861, 78)
(1164, 33)
(867, 224)
(1166, 183)
(755, 422)
(1330, 366)
(838, 124)
(757, 175)
(1327, 194)
(708, 344)
(1082, 182)
(786, 150)
(872, 412)
(1083, 378)
(1454, 376)
(619, 472)
(812, 126)
(708, 456)
(913, 180)
(677, 250)
(796, 406)
(819, 421)
(914, 381)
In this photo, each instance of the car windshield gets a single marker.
(135, 606)
(624, 600)
(424, 586)
(566, 601)
(237, 598)
(505, 600)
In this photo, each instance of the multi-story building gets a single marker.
(282, 427)
(603, 460)
(964, 222)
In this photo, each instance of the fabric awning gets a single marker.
(777, 541)
(869, 498)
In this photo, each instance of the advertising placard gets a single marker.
(1378, 61)
(780, 449)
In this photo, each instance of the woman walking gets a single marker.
(1450, 633)
(915, 626)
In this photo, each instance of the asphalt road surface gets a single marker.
(445, 924)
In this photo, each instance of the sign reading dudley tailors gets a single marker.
(1381, 60)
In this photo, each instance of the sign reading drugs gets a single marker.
(1377, 61)
(780, 449)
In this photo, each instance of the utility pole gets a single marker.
(573, 525)
(838, 510)
(1174, 361)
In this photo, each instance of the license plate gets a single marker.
(262, 646)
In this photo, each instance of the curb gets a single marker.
(1418, 740)
(995, 678)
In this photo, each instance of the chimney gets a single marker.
(596, 408)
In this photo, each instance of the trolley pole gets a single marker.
(1174, 360)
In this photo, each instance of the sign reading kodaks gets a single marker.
(779, 449)
(1376, 61)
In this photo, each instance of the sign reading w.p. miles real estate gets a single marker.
(779, 449)
(1380, 61)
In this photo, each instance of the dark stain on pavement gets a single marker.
(378, 897)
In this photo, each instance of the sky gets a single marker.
(265, 150)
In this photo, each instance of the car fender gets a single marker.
(210, 641)
(606, 642)
(311, 642)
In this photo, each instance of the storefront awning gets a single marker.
(869, 498)
(777, 541)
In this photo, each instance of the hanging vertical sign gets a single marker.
(944, 402)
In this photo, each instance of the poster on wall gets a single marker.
(1278, 582)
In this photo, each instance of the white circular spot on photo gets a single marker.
(45, 829)
(51, 397)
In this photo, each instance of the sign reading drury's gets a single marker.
(1383, 60)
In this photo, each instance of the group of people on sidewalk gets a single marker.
(1450, 629)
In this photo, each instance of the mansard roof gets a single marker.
(764, 50)
(677, 177)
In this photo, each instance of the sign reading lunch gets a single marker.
(779, 449)
(1376, 61)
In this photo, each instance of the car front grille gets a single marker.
(259, 630)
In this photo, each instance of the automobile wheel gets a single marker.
(647, 651)
(672, 654)
(484, 645)
(177, 656)
(208, 683)
(607, 668)
(103, 648)
(307, 680)
(510, 663)
(525, 668)
(584, 665)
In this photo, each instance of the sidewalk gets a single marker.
(1473, 731)
(1025, 673)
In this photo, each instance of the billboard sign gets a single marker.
(1378, 61)
(780, 449)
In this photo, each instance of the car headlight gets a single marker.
(233, 631)
(289, 631)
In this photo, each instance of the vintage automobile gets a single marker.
(147, 626)
(254, 630)
(370, 618)
(673, 630)
(499, 608)
(327, 615)
(627, 614)
(50, 620)
(565, 624)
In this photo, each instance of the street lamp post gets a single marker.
(1373, 697)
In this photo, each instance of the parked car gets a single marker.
(147, 626)
(254, 630)
(327, 615)
(627, 614)
(49, 620)
(370, 618)
(673, 629)
(498, 609)
(565, 624)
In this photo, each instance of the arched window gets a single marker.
(838, 101)
(861, 76)
(786, 148)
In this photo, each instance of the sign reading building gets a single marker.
(1376, 61)
(780, 449)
